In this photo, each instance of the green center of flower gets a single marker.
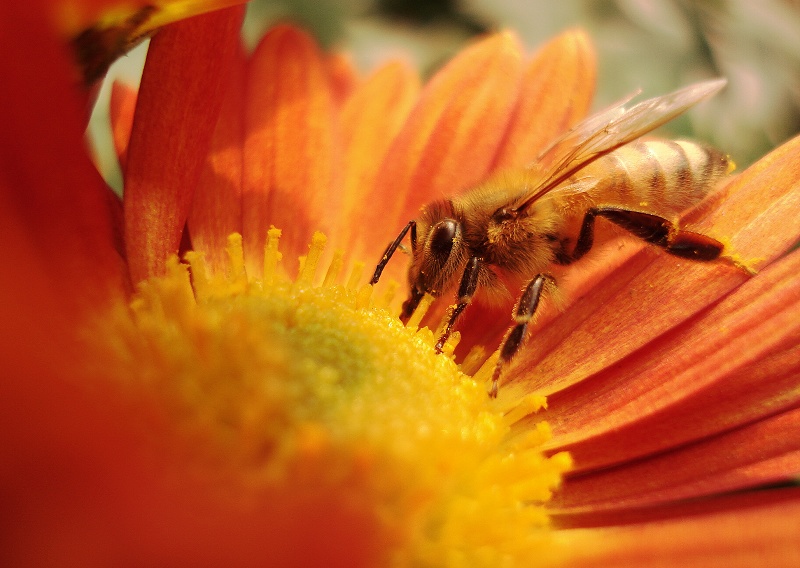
(298, 387)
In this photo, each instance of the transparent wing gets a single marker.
(606, 131)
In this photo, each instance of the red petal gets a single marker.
(81, 487)
(452, 136)
(52, 195)
(759, 454)
(755, 529)
(122, 107)
(179, 100)
(216, 210)
(289, 178)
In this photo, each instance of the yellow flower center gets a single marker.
(295, 386)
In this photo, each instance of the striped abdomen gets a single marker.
(663, 176)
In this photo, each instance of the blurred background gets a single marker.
(655, 45)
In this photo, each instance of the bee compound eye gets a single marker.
(442, 236)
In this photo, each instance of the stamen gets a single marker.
(364, 296)
(355, 275)
(271, 255)
(419, 313)
(334, 269)
(238, 274)
(309, 269)
(451, 343)
(472, 362)
(525, 407)
(486, 370)
(388, 296)
(197, 263)
(535, 438)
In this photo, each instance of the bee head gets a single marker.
(438, 258)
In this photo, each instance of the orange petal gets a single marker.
(288, 150)
(452, 136)
(122, 108)
(759, 216)
(557, 91)
(370, 120)
(739, 531)
(216, 210)
(738, 357)
(179, 100)
(342, 75)
(653, 292)
(764, 453)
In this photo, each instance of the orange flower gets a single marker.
(243, 419)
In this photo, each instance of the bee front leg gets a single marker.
(523, 314)
(469, 283)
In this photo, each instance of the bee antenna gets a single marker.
(387, 254)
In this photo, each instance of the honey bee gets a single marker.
(523, 221)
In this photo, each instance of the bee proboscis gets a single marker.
(522, 221)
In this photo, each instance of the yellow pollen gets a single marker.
(289, 387)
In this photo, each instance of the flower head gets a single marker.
(240, 410)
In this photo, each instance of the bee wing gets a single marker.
(608, 130)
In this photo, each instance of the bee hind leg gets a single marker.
(653, 229)
(523, 314)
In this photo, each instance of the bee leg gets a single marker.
(387, 254)
(523, 314)
(469, 283)
(664, 233)
(651, 228)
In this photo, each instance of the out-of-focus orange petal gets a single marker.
(449, 142)
(557, 91)
(82, 486)
(342, 76)
(691, 382)
(122, 108)
(653, 292)
(739, 531)
(179, 100)
(216, 209)
(370, 120)
(289, 178)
